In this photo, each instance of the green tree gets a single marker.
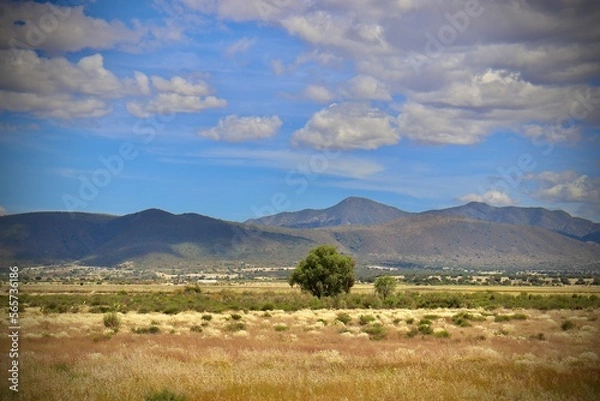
(385, 286)
(324, 272)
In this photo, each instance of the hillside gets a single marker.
(554, 220)
(155, 238)
(152, 237)
(459, 241)
(350, 211)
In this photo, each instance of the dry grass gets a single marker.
(308, 355)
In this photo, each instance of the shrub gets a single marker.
(376, 331)
(207, 317)
(425, 329)
(196, 329)
(280, 327)
(365, 319)
(397, 320)
(146, 330)
(461, 319)
(413, 332)
(112, 321)
(164, 395)
(567, 325)
(235, 326)
(343, 317)
(507, 318)
(441, 334)
(385, 286)
(410, 320)
(236, 316)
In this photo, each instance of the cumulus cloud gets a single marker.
(57, 88)
(177, 95)
(437, 125)
(566, 186)
(240, 129)
(364, 87)
(492, 197)
(54, 28)
(318, 93)
(500, 65)
(348, 126)
(3, 211)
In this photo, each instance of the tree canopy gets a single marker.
(385, 286)
(324, 272)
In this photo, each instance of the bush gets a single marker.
(441, 334)
(280, 327)
(567, 325)
(146, 330)
(425, 329)
(461, 319)
(508, 318)
(366, 319)
(207, 317)
(112, 321)
(235, 326)
(236, 316)
(410, 320)
(343, 317)
(376, 331)
(164, 395)
(196, 329)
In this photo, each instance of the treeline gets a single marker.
(193, 299)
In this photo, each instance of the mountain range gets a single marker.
(474, 235)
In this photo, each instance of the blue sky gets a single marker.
(240, 108)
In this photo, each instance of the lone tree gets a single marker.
(324, 272)
(385, 286)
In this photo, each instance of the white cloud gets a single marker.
(240, 129)
(364, 87)
(57, 88)
(176, 95)
(566, 186)
(3, 211)
(318, 93)
(506, 66)
(442, 125)
(492, 197)
(241, 46)
(181, 86)
(347, 126)
(57, 29)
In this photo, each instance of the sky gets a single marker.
(237, 109)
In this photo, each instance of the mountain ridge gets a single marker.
(451, 237)
(351, 210)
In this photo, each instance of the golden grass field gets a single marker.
(308, 355)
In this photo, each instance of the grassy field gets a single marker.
(307, 354)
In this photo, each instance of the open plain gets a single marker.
(492, 353)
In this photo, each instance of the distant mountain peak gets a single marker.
(350, 211)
